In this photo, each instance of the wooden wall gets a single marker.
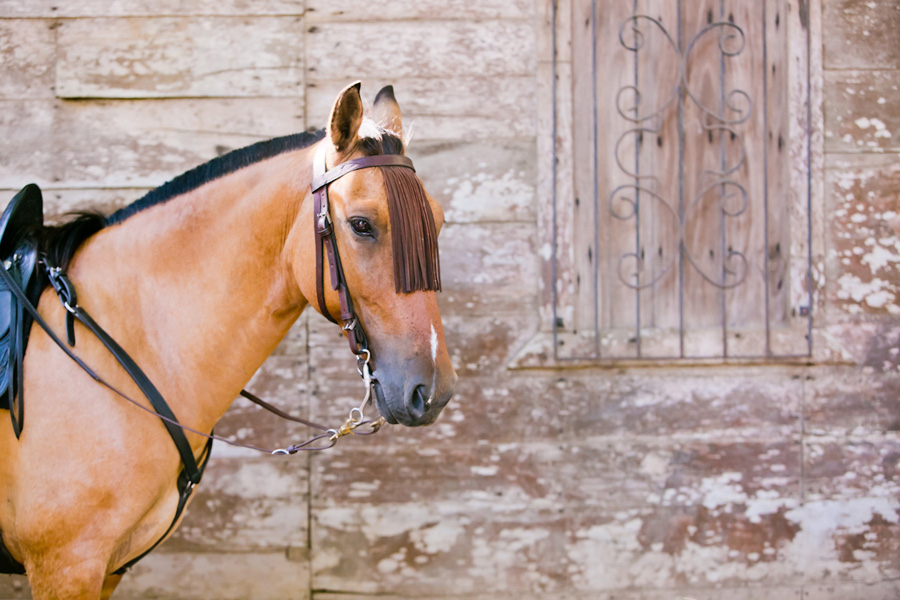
(661, 482)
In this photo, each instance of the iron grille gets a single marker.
(688, 239)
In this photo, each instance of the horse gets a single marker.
(198, 282)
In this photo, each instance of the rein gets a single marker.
(66, 291)
(326, 245)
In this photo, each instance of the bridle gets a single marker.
(326, 245)
(322, 177)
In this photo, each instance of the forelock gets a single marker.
(376, 140)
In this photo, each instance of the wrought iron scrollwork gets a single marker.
(732, 199)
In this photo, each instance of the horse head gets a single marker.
(385, 226)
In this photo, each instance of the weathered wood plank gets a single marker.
(466, 128)
(131, 144)
(27, 52)
(629, 405)
(141, 8)
(246, 505)
(478, 181)
(488, 268)
(550, 45)
(843, 402)
(26, 144)
(749, 592)
(884, 590)
(862, 115)
(838, 468)
(15, 587)
(443, 108)
(405, 10)
(534, 477)
(864, 250)
(425, 48)
(508, 518)
(861, 34)
(224, 576)
(803, 159)
(180, 57)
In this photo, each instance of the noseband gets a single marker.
(324, 228)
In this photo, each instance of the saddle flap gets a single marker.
(23, 214)
(19, 224)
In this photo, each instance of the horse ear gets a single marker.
(386, 111)
(346, 117)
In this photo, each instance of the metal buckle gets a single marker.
(63, 287)
(323, 224)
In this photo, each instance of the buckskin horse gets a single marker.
(196, 283)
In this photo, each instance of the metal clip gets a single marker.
(345, 429)
(362, 366)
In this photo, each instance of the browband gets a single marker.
(323, 177)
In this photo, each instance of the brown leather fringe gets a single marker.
(413, 233)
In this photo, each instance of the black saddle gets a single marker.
(19, 226)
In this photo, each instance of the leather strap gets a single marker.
(280, 413)
(185, 489)
(191, 473)
(322, 177)
(15, 364)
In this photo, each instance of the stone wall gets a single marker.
(701, 482)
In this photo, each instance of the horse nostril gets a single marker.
(418, 404)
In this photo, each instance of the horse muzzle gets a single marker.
(412, 404)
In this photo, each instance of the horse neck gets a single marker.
(197, 287)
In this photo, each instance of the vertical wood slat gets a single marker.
(746, 305)
(548, 57)
(658, 72)
(564, 219)
(779, 223)
(615, 71)
(584, 201)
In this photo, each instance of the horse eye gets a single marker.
(361, 227)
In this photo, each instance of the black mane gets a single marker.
(60, 242)
(218, 167)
